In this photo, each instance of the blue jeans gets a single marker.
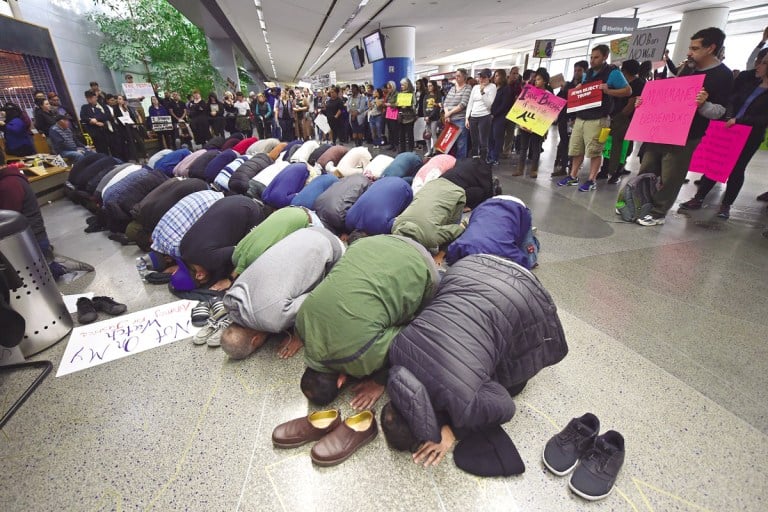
(498, 128)
(460, 147)
(377, 129)
(75, 156)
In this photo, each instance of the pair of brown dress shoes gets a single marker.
(338, 439)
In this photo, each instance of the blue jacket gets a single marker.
(218, 163)
(281, 190)
(167, 163)
(377, 208)
(404, 165)
(16, 136)
(497, 226)
(312, 191)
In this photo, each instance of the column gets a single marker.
(222, 55)
(694, 21)
(400, 49)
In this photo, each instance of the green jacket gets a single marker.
(349, 320)
(432, 218)
(273, 229)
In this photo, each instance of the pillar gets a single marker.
(694, 21)
(222, 55)
(400, 49)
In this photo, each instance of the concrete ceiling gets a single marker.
(448, 32)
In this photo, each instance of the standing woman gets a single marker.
(215, 115)
(501, 105)
(300, 108)
(393, 128)
(243, 118)
(197, 110)
(406, 114)
(748, 106)
(127, 122)
(376, 118)
(285, 116)
(433, 104)
(530, 143)
(230, 112)
(262, 115)
(166, 136)
(357, 104)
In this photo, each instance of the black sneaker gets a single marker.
(86, 312)
(595, 476)
(562, 452)
(201, 313)
(109, 306)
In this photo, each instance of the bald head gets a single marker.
(239, 342)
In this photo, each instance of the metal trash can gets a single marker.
(38, 299)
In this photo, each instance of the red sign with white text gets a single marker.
(585, 97)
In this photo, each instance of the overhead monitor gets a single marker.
(374, 46)
(358, 59)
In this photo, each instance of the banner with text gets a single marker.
(718, 151)
(667, 110)
(161, 123)
(136, 91)
(447, 138)
(535, 109)
(585, 97)
(648, 44)
(123, 336)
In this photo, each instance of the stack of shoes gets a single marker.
(215, 323)
(88, 309)
(337, 440)
(593, 460)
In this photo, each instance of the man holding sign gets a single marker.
(672, 161)
(592, 102)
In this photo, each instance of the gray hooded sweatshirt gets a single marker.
(268, 294)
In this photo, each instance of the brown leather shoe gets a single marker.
(339, 445)
(301, 431)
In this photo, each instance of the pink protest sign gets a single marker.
(718, 151)
(667, 111)
(536, 109)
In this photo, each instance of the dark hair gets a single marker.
(527, 74)
(631, 66)
(212, 95)
(762, 53)
(12, 111)
(356, 235)
(108, 97)
(644, 71)
(93, 83)
(582, 64)
(710, 36)
(319, 387)
(396, 430)
(89, 94)
(544, 74)
(603, 49)
(354, 87)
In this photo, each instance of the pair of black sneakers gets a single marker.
(88, 309)
(593, 460)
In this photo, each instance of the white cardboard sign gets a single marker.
(123, 336)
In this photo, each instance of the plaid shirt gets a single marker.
(176, 222)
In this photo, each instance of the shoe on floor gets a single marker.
(109, 306)
(158, 278)
(587, 186)
(568, 182)
(214, 340)
(217, 309)
(201, 336)
(595, 475)
(563, 450)
(201, 313)
(344, 441)
(613, 180)
(725, 212)
(301, 431)
(86, 312)
(650, 220)
(691, 204)
(602, 175)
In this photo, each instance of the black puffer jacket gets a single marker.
(238, 183)
(80, 175)
(333, 204)
(197, 168)
(492, 325)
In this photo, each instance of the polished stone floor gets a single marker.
(667, 330)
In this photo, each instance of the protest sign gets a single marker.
(161, 123)
(557, 81)
(648, 44)
(321, 121)
(585, 97)
(404, 99)
(122, 336)
(447, 138)
(718, 151)
(391, 114)
(136, 91)
(535, 109)
(667, 110)
(619, 50)
(543, 48)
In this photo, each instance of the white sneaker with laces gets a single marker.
(650, 220)
(214, 340)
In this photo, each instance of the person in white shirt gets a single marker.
(478, 116)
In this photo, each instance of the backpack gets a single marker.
(634, 199)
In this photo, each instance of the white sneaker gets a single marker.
(650, 220)
(214, 340)
(201, 336)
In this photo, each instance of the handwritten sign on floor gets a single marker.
(123, 336)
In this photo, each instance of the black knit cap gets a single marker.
(489, 452)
